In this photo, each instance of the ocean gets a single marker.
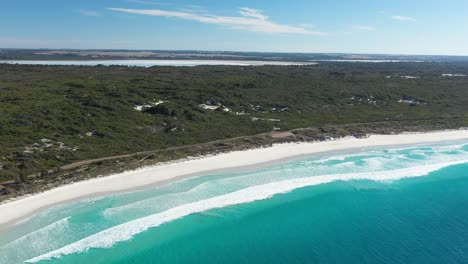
(402, 204)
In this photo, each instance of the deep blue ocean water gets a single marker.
(395, 205)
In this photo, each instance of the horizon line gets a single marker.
(232, 51)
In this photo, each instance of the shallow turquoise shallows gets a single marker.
(395, 205)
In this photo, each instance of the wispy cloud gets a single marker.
(362, 27)
(249, 20)
(89, 13)
(249, 12)
(402, 18)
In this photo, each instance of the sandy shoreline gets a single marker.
(14, 211)
(151, 63)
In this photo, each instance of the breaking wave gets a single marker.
(122, 232)
(35, 238)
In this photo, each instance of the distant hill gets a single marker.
(67, 54)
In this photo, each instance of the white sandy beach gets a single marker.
(13, 211)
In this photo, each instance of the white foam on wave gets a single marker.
(34, 239)
(280, 173)
(168, 199)
(214, 187)
(126, 231)
(437, 148)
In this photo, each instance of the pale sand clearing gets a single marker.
(16, 210)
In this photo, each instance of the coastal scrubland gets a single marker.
(54, 116)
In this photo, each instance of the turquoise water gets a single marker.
(397, 205)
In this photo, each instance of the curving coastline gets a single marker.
(16, 210)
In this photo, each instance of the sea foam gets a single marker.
(126, 231)
(35, 238)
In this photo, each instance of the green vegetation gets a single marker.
(51, 116)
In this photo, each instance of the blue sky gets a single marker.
(354, 26)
